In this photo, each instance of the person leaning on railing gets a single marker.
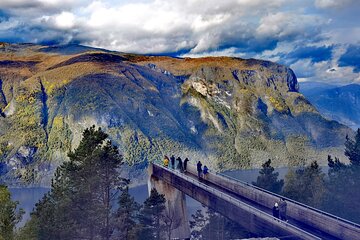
(205, 172)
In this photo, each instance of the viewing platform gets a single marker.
(248, 205)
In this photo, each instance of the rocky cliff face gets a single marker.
(227, 112)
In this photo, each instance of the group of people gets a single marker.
(202, 172)
(279, 210)
(182, 166)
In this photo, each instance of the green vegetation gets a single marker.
(81, 203)
(9, 216)
(152, 217)
(59, 135)
(233, 113)
(336, 193)
(279, 104)
(268, 179)
(306, 185)
(352, 149)
(211, 225)
(127, 215)
(344, 181)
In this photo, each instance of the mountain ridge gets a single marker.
(228, 112)
(339, 103)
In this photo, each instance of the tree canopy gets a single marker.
(268, 179)
(83, 191)
(9, 216)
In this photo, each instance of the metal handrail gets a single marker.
(280, 196)
(288, 199)
(233, 200)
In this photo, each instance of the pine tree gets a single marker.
(126, 217)
(152, 217)
(338, 197)
(198, 224)
(342, 198)
(212, 225)
(9, 216)
(335, 166)
(171, 221)
(79, 204)
(306, 185)
(352, 149)
(268, 179)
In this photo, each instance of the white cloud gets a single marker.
(331, 3)
(65, 20)
(8, 25)
(230, 52)
(164, 26)
(246, 28)
(325, 71)
(284, 25)
(304, 68)
(41, 3)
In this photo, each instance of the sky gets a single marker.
(318, 39)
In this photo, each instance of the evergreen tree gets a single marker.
(171, 221)
(79, 204)
(212, 225)
(268, 179)
(351, 179)
(198, 224)
(343, 197)
(9, 216)
(340, 186)
(29, 231)
(352, 149)
(126, 217)
(306, 185)
(335, 166)
(152, 217)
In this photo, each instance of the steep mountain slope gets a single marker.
(339, 103)
(227, 112)
(311, 88)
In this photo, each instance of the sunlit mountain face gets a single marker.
(64, 67)
(229, 112)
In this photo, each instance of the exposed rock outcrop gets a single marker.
(228, 112)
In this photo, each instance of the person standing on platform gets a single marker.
(166, 161)
(199, 169)
(205, 172)
(276, 210)
(282, 208)
(172, 160)
(185, 164)
(180, 164)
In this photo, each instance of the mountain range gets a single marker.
(340, 103)
(230, 113)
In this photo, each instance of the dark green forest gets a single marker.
(336, 192)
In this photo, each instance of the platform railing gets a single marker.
(235, 201)
(340, 219)
(288, 199)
